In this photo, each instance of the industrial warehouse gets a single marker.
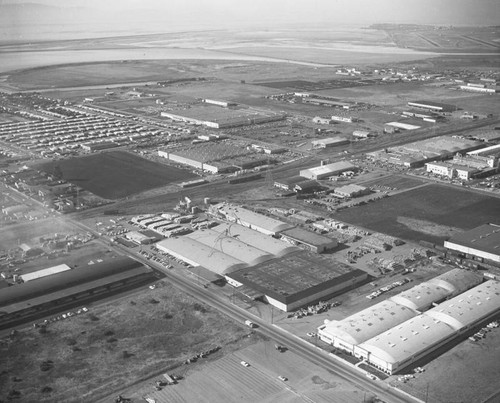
(221, 118)
(325, 171)
(418, 153)
(216, 157)
(397, 332)
(246, 252)
(481, 244)
(54, 289)
(297, 280)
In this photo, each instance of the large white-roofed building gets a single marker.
(402, 345)
(368, 323)
(325, 171)
(363, 325)
(258, 240)
(230, 246)
(423, 296)
(197, 254)
(250, 219)
(408, 342)
(44, 272)
(470, 307)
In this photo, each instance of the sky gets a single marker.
(151, 15)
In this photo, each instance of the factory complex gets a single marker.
(212, 116)
(397, 332)
(216, 157)
(328, 170)
(264, 258)
(418, 153)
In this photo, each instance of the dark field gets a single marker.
(431, 213)
(117, 174)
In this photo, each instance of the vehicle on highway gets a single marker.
(245, 364)
(282, 378)
(250, 323)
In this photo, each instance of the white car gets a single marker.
(282, 378)
(311, 334)
(245, 364)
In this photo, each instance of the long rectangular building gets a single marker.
(325, 171)
(405, 344)
(481, 243)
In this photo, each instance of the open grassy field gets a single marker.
(89, 356)
(430, 213)
(116, 174)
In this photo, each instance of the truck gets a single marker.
(249, 323)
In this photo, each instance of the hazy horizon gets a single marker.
(56, 19)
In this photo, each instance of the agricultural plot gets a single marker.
(431, 213)
(117, 174)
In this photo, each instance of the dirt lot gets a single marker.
(428, 213)
(136, 337)
(117, 174)
(226, 380)
(13, 235)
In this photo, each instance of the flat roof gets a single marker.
(56, 282)
(331, 168)
(67, 292)
(351, 188)
(45, 272)
(308, 237)
(330, 140)
(296, 276)
(432, 104)
(485, 238)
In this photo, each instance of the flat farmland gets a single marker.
(116, 174)
(431, 213)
